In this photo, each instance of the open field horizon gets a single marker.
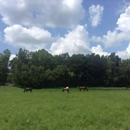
(52, 109)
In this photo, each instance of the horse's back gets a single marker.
(67, 87)
(83, 88)
(28, 89)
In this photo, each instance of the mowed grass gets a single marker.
(51, 109)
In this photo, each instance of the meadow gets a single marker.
(51, 109)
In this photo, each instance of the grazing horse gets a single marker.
(83, 88)
(66, 89)
(27, 89)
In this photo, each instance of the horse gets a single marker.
(27, 89)
(65, 89)
(83, 88)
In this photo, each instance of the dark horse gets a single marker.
(66, 89)
(83, 88)
(27, 89)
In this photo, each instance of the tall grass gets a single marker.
(51, 109)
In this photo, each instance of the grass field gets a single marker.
(51, 109)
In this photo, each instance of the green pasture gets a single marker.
(51, 109)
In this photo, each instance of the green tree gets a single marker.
(42, 58)
(4, 61)
(62, 75)
(125, 73)
(36, 76)
(112, 72)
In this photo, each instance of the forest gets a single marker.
(41, 69)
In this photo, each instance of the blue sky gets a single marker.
(60, 26)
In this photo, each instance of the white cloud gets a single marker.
(52, 13)
(119, 34)
(75, 42)
(124, 54)
(98, 50)
(12, 57)
(114, 38)
(124, 21)
(32, 38)
(95, 12)
(122, 6)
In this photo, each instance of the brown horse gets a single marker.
(27, 89)
(65, 89)
(83, 88)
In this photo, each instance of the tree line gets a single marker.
(40, 69)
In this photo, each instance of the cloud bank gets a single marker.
(118, 35)
(32, 38)
(75, 42)
(28, 23)
(52, 13)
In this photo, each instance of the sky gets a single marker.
(66, 26)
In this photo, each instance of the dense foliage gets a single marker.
(41, 69)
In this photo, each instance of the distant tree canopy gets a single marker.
(4, 60)
(41, 69)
